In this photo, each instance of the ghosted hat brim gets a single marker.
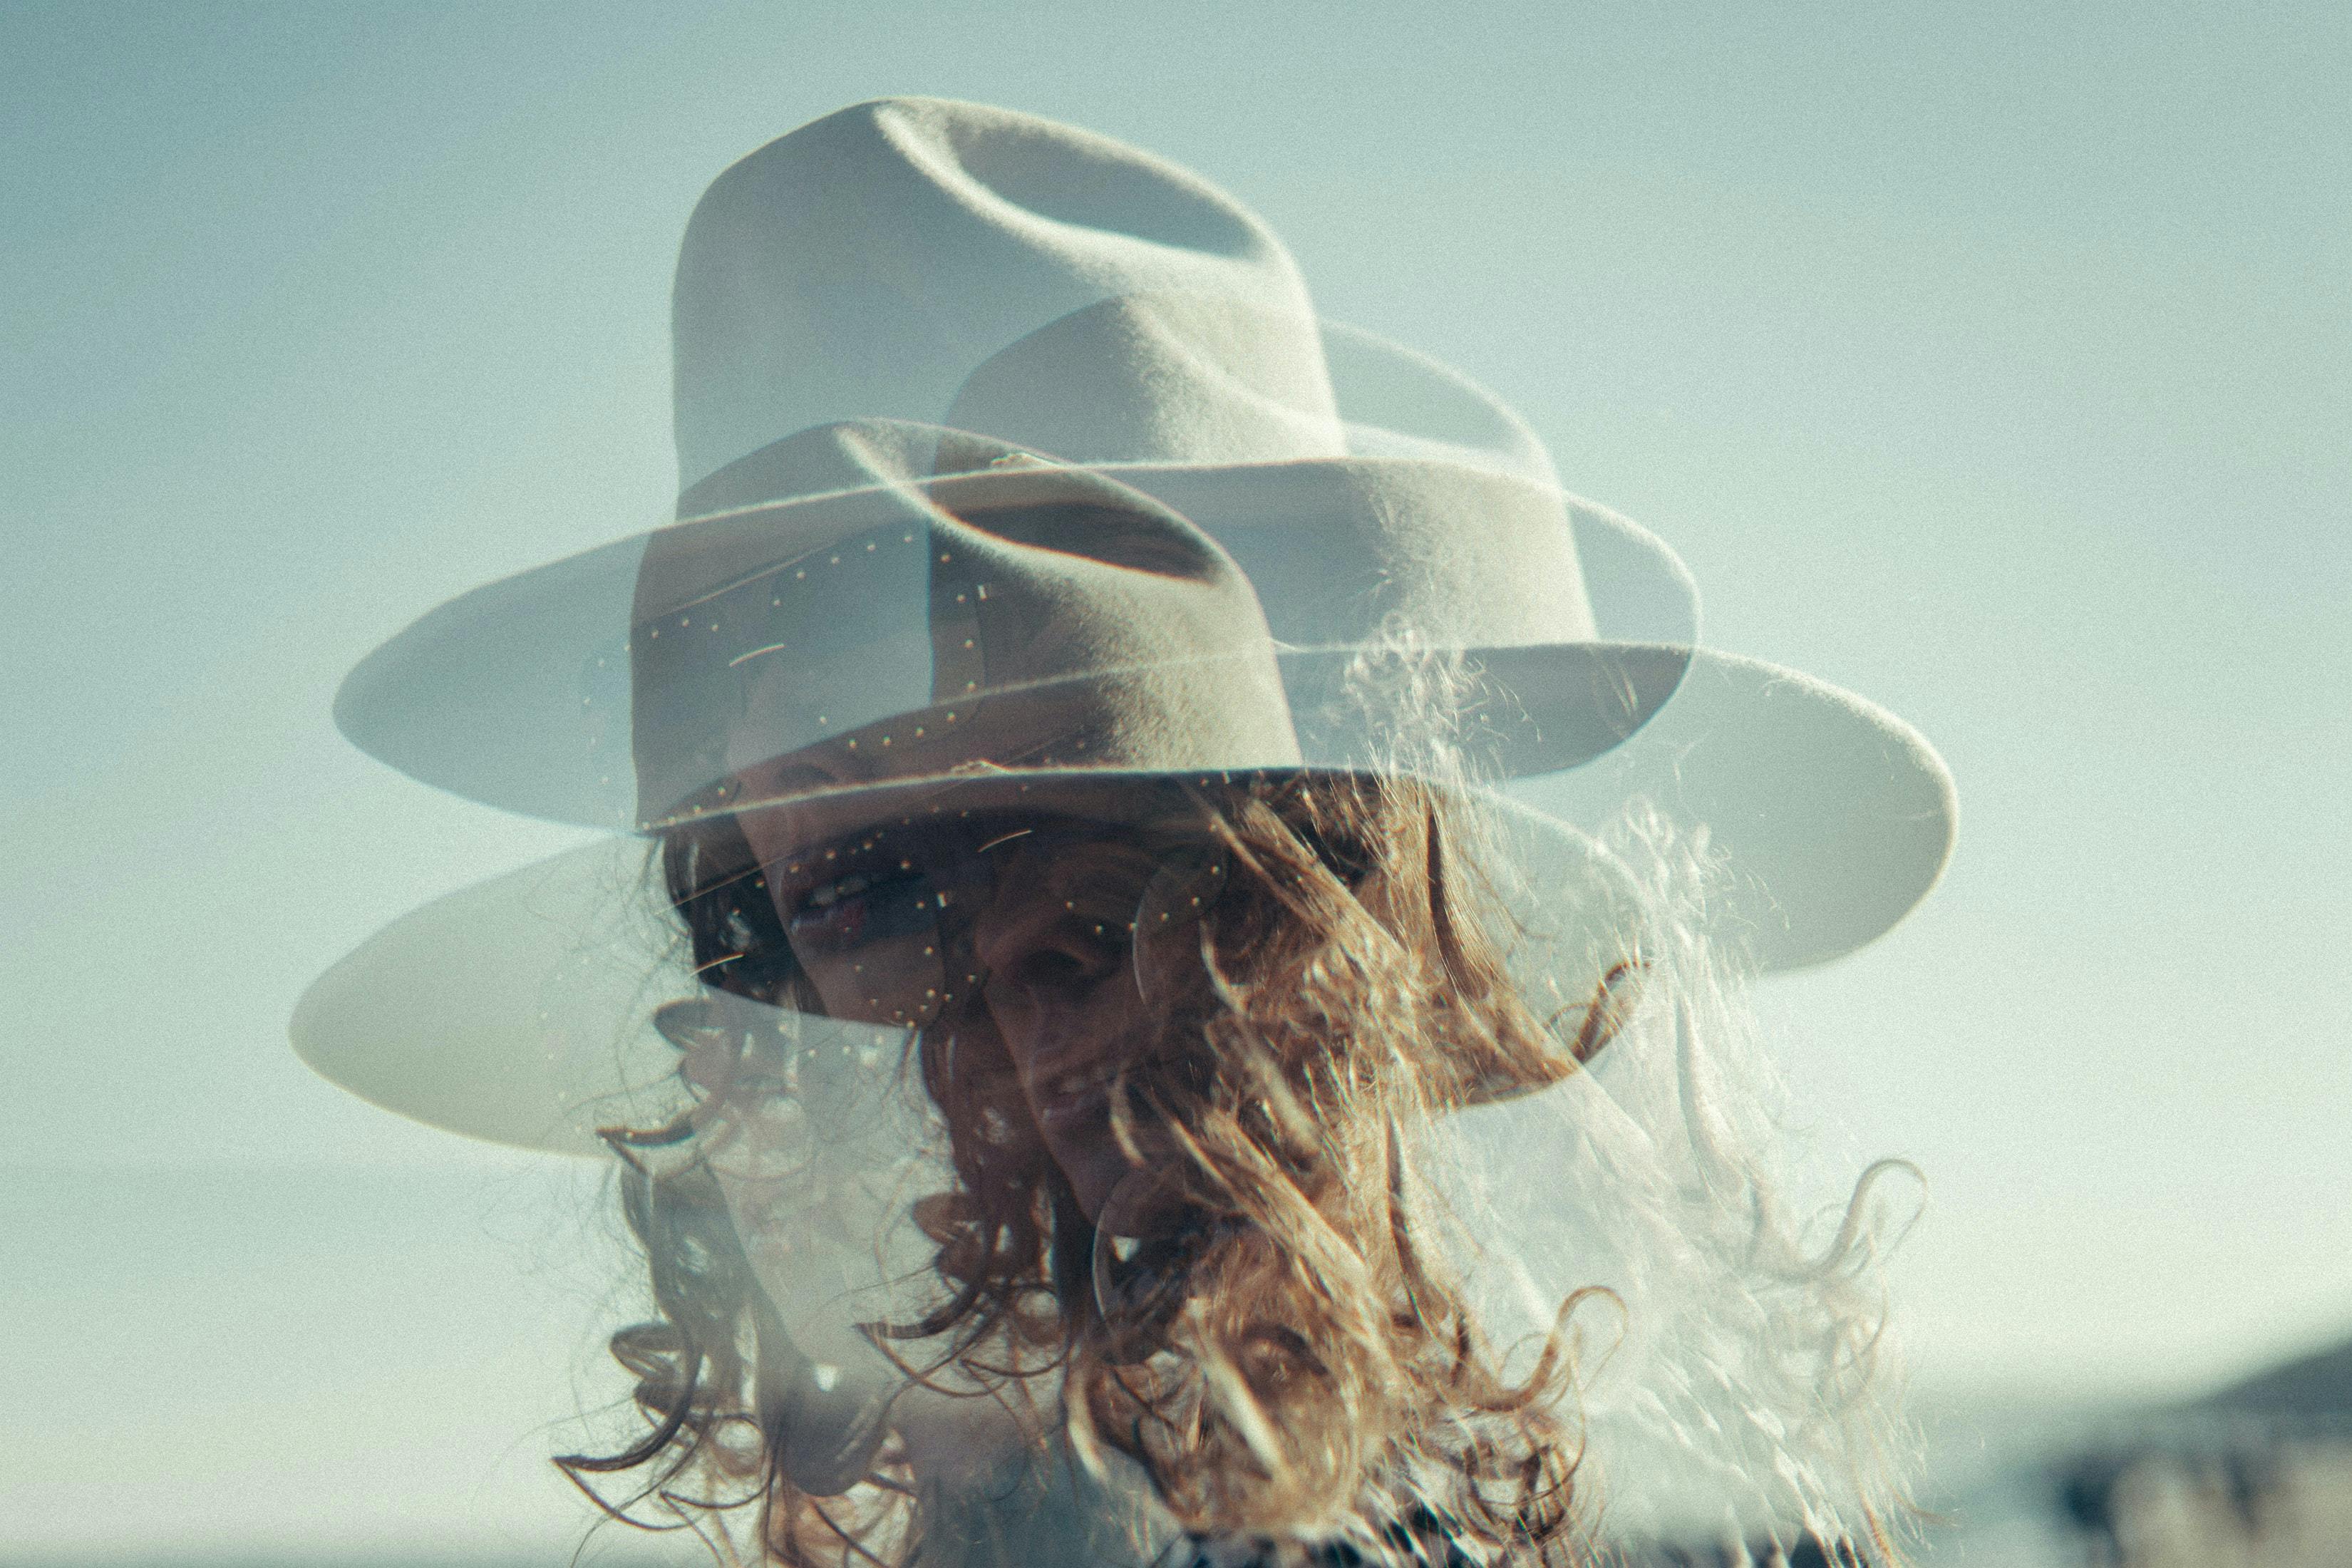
(537, 1028)
(1565, 626)
(1834, 818)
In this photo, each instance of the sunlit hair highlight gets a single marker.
(1308, 1358)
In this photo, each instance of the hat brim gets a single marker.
(514, 1010)
(1827, 818)
(518, 1010)
(517, 693)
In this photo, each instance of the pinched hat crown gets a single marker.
(866, 266)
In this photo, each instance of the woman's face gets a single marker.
(1061, 993)
(1045, 912)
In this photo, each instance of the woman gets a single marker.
(1135, 1097)
(1224, 1099)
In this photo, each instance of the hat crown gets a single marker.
(868, 264)
(1010, 615)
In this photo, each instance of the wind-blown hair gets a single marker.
(1312, 1362)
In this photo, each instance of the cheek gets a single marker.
(1005, 1013)
(973, 1080)
(768, 833)
(1111, 1022)
(1131, 1029)
(1112, 1026)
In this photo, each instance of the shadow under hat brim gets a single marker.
(1823, 818)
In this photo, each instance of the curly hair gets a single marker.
(1301, 1363)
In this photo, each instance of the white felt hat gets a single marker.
(863, 306)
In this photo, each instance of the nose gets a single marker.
(1038, 953)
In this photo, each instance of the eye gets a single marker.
(832, 893)
(872, 904)
(1102, 888)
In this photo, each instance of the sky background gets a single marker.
(1994, 361)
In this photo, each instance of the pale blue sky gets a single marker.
(1994, 361)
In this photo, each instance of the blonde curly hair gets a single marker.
(1304, 1362)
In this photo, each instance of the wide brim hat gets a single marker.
(904, 335)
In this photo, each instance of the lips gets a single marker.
(1071, 1101)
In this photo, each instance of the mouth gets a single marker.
(1071, 1101)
